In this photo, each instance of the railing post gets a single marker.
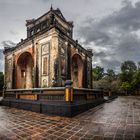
(68, 91)
(4, 90)
(17, 96)
(110, 93)
(36, 96)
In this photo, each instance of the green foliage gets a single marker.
(127, 80)
(98, 73)
(110, 72)
(1, 80)
(128, 69)
(136, 80)
(139, 65)
(109, 81)
(110, 75)
(125, 86)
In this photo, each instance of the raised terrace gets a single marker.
(63, 101)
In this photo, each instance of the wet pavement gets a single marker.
(115, 120)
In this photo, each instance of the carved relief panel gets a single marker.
(63, 58)
(45, 64)
(9, 68)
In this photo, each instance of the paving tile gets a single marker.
(117, 120)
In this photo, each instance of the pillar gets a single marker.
(85, 73)
(68, 76)
(13, 74)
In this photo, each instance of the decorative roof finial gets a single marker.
(51, 7)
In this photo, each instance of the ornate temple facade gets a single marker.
(48, 56)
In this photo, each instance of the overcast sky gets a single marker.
(110, 27)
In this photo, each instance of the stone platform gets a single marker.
(116, 120)
(62, 101)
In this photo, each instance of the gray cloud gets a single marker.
(1, 60)
(7, 44)
(4, 44)
(1, 52)
(127, 19)
(100, 54)
(116, 37)
(13, 32)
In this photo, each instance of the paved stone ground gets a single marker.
(115, 120)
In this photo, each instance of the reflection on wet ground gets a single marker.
(118, 120)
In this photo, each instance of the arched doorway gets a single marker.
(24, 71)
(77, 71)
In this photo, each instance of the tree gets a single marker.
(101, 84)
(115, 85)
(127, 80)
(126, 86)
(98, 73)
(110, 75)
(128, 68)
(1, 80)
(136, 81)
(139, 65)
(110, 72)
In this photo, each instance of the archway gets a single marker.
(77, 71)
(24, 71)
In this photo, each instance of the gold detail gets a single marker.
(16, 96)
(67, 95)
(28, 97)
(71, 94)
(90, 97)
